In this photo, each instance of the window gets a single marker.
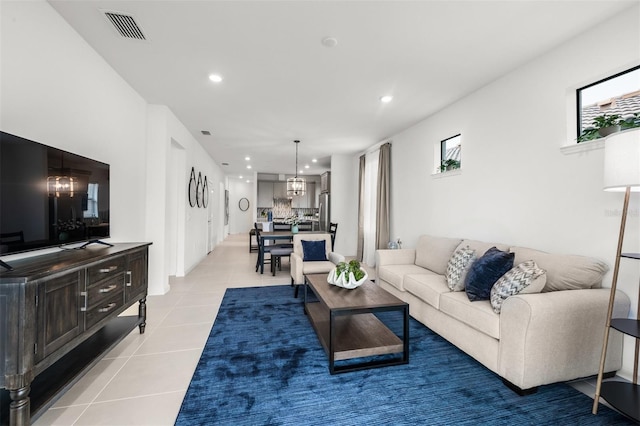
(612, 101)
(450, 153)
(92, 201)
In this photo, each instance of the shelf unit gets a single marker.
(623, 396)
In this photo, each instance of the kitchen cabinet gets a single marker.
(265, 194)
(280, 190)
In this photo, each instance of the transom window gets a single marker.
(450, 157)
(612, 103)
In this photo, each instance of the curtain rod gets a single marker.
(374, 147)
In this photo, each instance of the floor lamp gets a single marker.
(621, 174)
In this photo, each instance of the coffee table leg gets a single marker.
(332, 337)
(405, 336)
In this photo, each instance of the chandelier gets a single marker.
(61, 183)
(296, 186)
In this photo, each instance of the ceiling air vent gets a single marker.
(125, 25)
(206, 132)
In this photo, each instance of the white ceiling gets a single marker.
(280, 82)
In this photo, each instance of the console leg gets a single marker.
(142, 313)
(20, 407)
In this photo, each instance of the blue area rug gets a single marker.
(264, 365)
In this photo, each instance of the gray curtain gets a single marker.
(382, 199)
(360, 249)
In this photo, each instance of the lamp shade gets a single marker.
(622, 161)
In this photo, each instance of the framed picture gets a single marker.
(226, 206)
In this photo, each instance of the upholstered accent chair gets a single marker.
(300, 267)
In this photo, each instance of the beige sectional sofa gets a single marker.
(541, 338)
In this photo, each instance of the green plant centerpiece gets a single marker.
(347, 275)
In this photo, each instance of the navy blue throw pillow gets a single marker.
(485, 271)
(314, 250)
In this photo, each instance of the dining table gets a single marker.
(278, 236)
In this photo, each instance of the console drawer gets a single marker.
(105, 269)
(104, 308)
(103, 290)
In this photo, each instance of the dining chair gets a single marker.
(333, 228)
(262, 251)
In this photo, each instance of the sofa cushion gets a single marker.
(434, 253)
(565, 272)
(314, 251)
(523, 278)
(477, 315)
(427, 287)
(395, 274)
(485, 272)
(458, 267)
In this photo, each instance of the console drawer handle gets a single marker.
(128, 283)
(107, 308)
(84, 308)
(108, 289)
(109, 269)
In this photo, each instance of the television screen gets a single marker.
(49, 197)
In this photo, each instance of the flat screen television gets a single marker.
(49, 197)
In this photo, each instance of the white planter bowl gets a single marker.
(346, 282)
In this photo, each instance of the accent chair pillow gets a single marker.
(458, 268)
(527, 277)
(485, 271)
(314, 250)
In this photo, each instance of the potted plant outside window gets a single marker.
(449, 164)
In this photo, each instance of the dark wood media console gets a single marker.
(59, 315)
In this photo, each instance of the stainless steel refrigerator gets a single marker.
(324, 211)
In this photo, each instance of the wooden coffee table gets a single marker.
(346, 326)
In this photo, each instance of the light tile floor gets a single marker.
(143, 380)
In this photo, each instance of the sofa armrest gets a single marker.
(336, 258)
(557, 336)
(395, 257)
(297, 276)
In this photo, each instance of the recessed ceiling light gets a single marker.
(248, 166)
(306, 166)
(386, 99)
(240, 177)
(314, 160)
(248, 181)
(206, 132)
(225, 164)
(215, 78)
(247, 158)
(329, 42)
(301, 172)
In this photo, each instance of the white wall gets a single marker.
(516, 186)
(55, 89)
(171, 153)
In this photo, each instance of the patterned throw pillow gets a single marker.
(458, 266)
(524, 278)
